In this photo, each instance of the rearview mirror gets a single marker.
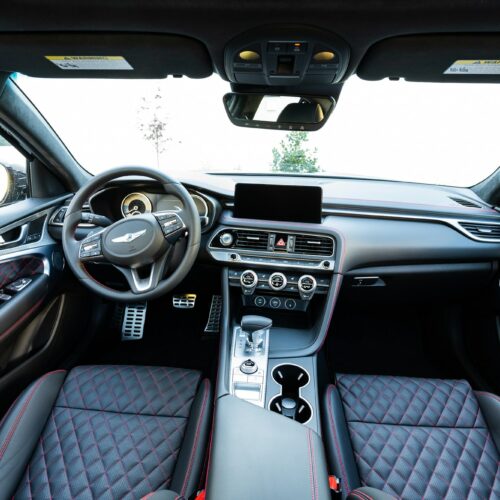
(280, 112)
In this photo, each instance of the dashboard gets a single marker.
(367, 223)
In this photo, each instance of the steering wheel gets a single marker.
(140, 247)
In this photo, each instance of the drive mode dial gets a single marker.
(277, 281)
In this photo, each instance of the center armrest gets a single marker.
(260, 454)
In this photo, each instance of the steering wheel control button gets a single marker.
(277, 281)
(260, 301)
(169, 223)
(290, 304)
(90, 247)
(248, 367)
(248, 281)
(226, 239)
(307, 286)
(275, 303)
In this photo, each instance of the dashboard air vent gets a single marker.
(313, 245)
(251, 240)
(465, 203)
(484, 231)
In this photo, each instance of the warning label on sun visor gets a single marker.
(86, 63)
(474, 67)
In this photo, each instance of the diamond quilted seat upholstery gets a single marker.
(114, 432)
(411, 438)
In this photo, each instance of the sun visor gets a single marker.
(103, 56)
(434, 58)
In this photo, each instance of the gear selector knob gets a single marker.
(252, 325)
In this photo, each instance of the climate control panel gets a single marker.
(278, 290)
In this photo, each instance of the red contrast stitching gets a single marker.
(310, 466)
(335, 438)
(21, 319)
(197, 435)
(315, 476)
(23, 410)
(364, 495)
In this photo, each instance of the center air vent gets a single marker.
(251, 240)
(313, 245)
(482, 231)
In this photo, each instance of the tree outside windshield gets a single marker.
(421, 132)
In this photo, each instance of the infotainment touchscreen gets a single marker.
(278, 202)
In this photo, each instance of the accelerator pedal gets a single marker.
(134, 319)
(213, 323)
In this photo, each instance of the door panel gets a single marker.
(31, 262)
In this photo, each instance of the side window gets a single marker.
(13, 175)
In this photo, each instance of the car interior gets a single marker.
(284, 332)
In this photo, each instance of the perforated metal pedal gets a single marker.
(134, 318)
(186, 301)
(213, 323)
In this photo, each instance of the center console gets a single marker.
(279, 289)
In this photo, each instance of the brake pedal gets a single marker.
(134, 319)
(185, 301)
(213, 323)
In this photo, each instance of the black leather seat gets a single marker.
(106, 432)
(412, 438)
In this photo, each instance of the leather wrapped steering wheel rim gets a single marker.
(191, 225)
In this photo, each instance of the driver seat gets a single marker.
(106, 432)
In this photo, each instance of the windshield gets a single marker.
(420, 132)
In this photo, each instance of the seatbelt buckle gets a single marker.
(335, 486)
(200, 495)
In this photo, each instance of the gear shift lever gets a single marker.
(252, 325)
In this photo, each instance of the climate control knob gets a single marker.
(248, 282)
(226, 239)
(307, 286)
(277, 281)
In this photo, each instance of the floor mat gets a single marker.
(172, 337)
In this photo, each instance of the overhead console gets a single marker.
(286, 56)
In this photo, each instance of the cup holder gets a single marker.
(289, 403)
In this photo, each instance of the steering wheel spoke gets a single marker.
(140, 281)
(91, 248)
(172, 224)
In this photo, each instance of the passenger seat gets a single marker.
(412, 438)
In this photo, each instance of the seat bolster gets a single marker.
(21, 427)
(490, 408)
(367, 493)
(192, 453)
(338, 442)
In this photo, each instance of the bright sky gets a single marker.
(434, 133)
